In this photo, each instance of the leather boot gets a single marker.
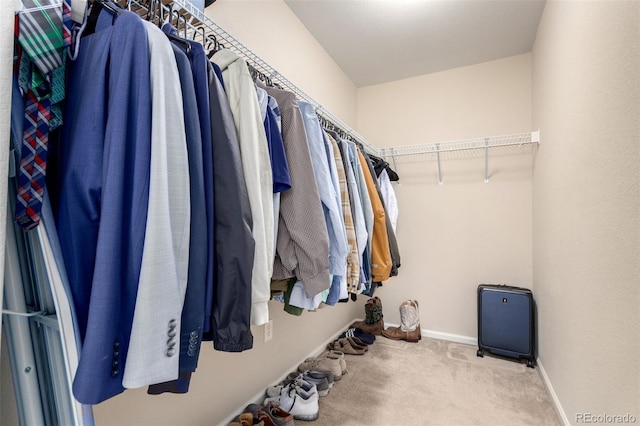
(373, 322)
(418, 311)
(409, 329)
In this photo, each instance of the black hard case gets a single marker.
(506, 322)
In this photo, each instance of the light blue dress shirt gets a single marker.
(331, 204)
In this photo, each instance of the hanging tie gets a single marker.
(43, 32)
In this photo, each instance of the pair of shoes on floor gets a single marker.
(319, 379)
(339, 356)
(301, 404)
(270, 415)
(329, 361)
(349, 345)
(319, 386)
(409, 329)
(366, 338)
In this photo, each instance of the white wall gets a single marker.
(224, 382)
(465, 232)
(586, 204)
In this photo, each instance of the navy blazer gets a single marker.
(103, 195)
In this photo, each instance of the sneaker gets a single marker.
(366, 338)
(300, 404)
(299, 380)
(321, 384)
(274, 391)
(315, 374)
(322, 364)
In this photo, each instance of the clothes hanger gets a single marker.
(93, 13)
(184, 27)
(181, 41)
(217, 46)
(111, 7)
(151, 6)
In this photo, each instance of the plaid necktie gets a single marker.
(43, 31)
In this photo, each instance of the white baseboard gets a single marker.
(467, 340)
(450, 337)
(552, 392)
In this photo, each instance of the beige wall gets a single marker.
(271, 30)
(463, 233)
(586, 213)
(224, 382)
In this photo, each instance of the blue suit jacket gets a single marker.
(103, 195)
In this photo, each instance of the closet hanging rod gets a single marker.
(230, 42)
(482, 143)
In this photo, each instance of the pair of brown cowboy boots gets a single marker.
(409, 329)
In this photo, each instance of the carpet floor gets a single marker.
(435, 382)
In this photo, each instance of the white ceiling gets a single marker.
(376, 41)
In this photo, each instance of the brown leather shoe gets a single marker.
(396, 333)
(244, 419)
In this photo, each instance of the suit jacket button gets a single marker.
(115, 372)
(173, 323)
(171, 352)
(193, 334)
(172, 332)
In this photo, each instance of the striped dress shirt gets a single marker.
(353, 261)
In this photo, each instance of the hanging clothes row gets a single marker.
(186, 190)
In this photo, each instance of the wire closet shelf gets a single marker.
(519, 143)
(198, 21)
(482, 143)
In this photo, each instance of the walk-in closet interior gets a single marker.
(518, 168)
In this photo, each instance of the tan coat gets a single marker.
(380, 254)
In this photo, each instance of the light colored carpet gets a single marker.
(435, 382)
